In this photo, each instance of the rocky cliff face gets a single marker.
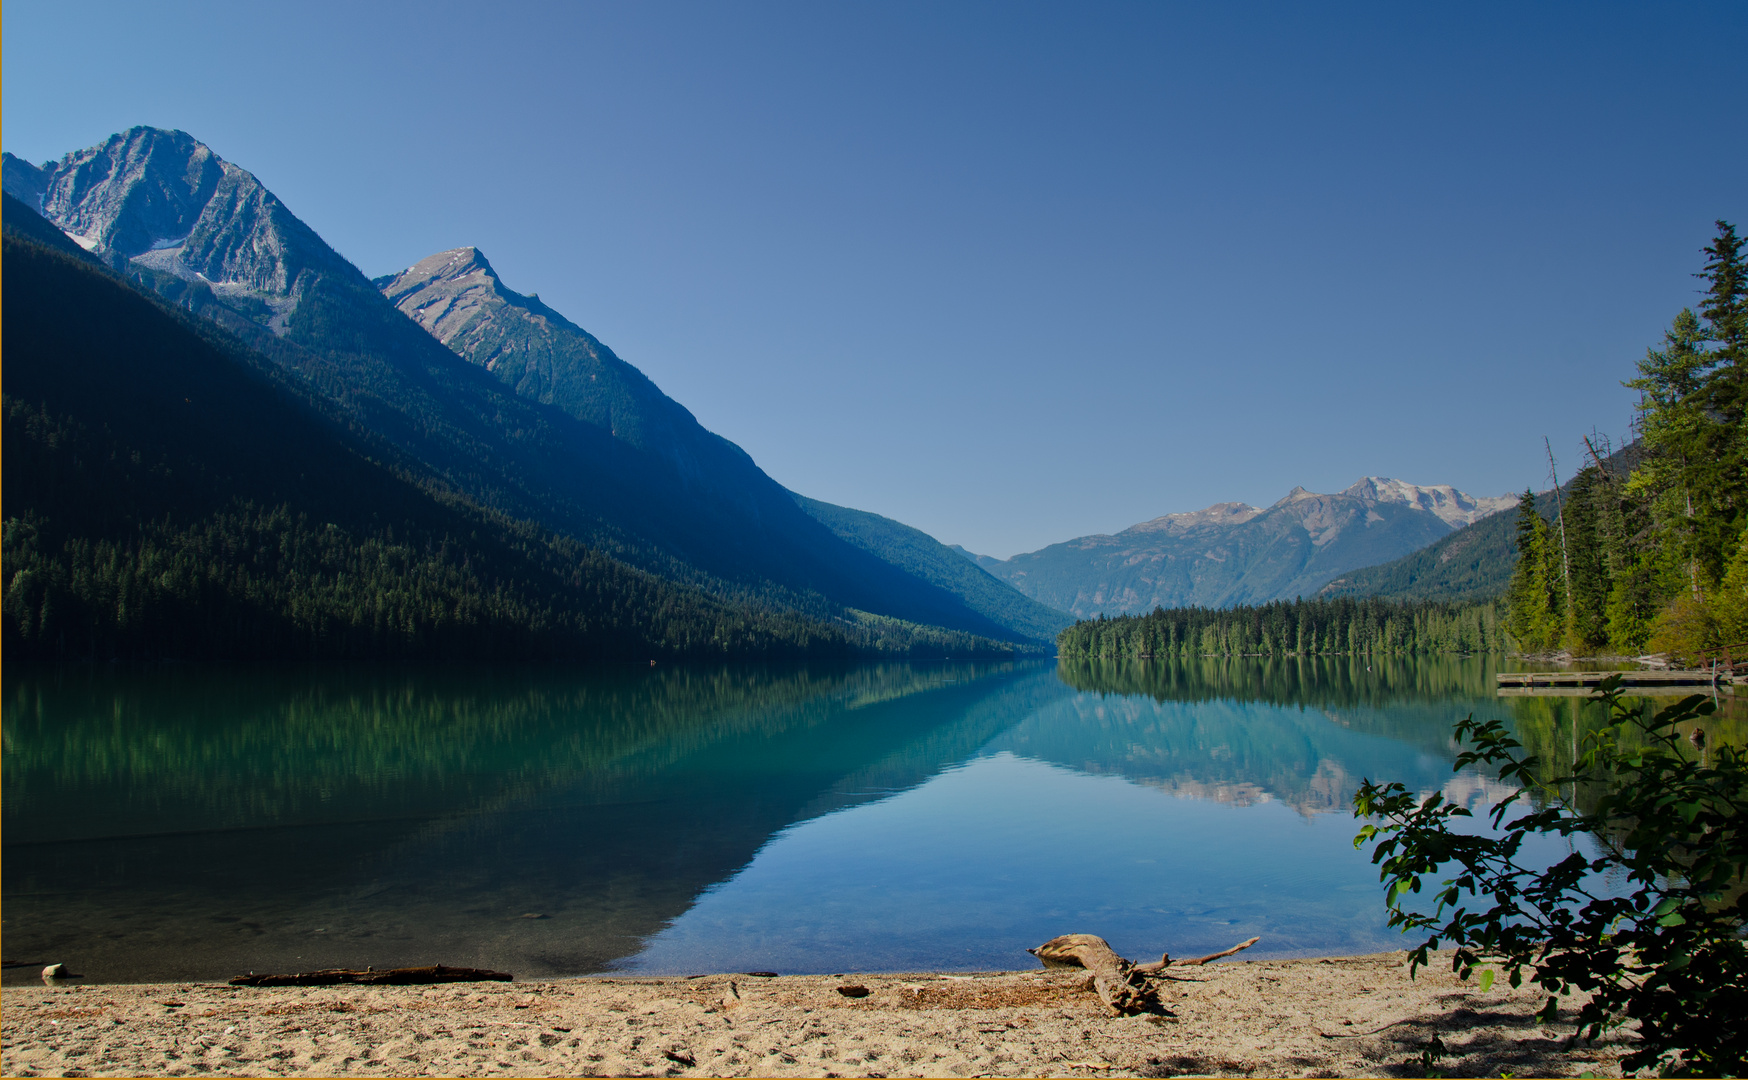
(164, 208)
(1232, 553)
(459, 299)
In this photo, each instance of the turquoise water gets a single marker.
(164, 824)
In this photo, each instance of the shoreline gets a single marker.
(1328, 1016)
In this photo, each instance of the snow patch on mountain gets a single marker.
(1451, 506)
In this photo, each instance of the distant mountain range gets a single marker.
(528, 416)
(1233, 553)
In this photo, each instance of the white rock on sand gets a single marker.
(1358, 1016)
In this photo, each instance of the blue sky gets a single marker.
(1011, 273)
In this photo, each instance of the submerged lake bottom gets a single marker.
(171, 824)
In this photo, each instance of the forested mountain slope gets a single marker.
(1473, 563)
(165, 210)
(171, 492)
(940, 565)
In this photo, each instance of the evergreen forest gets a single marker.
(1342, 626)
(1653, 557)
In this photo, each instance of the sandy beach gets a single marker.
(1354, 1016)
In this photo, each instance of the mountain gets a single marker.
(940, 565)
(459, 299)
(1473, 563)
(204, 232)
(1233, 553)
(172, 493)
(628, 473)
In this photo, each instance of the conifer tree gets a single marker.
(1587, 611)
(1535, 615)
(1725, 398)
(1675, 431)
(1725, 310)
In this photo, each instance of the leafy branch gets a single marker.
(1665, 954)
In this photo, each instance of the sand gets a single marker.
(1356, 1016)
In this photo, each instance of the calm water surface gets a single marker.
(181, 823)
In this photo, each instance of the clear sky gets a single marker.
(1008, 272)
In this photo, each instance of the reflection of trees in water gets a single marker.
(205, 748)
(1555, 730)
(1338, 681)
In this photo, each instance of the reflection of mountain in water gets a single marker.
(1304, 731)
(278, 821)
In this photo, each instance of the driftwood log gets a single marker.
(1124, 986)
(417, 976)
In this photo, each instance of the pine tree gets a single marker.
(1725, 310)
(1675, 431)
(1725, 402)
(1587, 611)
(1535, 611)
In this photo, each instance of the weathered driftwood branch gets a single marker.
(417, 976)
(1122, 985)
(1200, 960)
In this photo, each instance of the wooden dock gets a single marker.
(1581, 683)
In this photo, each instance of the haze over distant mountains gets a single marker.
(528, 416)
(1233, 553)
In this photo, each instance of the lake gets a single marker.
(182, 823)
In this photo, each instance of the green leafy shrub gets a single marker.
(1667, 956)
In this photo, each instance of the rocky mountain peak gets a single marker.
(162, 206)
(456, 292)
(139, 191)
(457, 298)
(1445, 502)
(453, 265)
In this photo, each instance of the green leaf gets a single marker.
(1486, 980)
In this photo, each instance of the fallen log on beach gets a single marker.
(415, 976)
(1122, 985)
